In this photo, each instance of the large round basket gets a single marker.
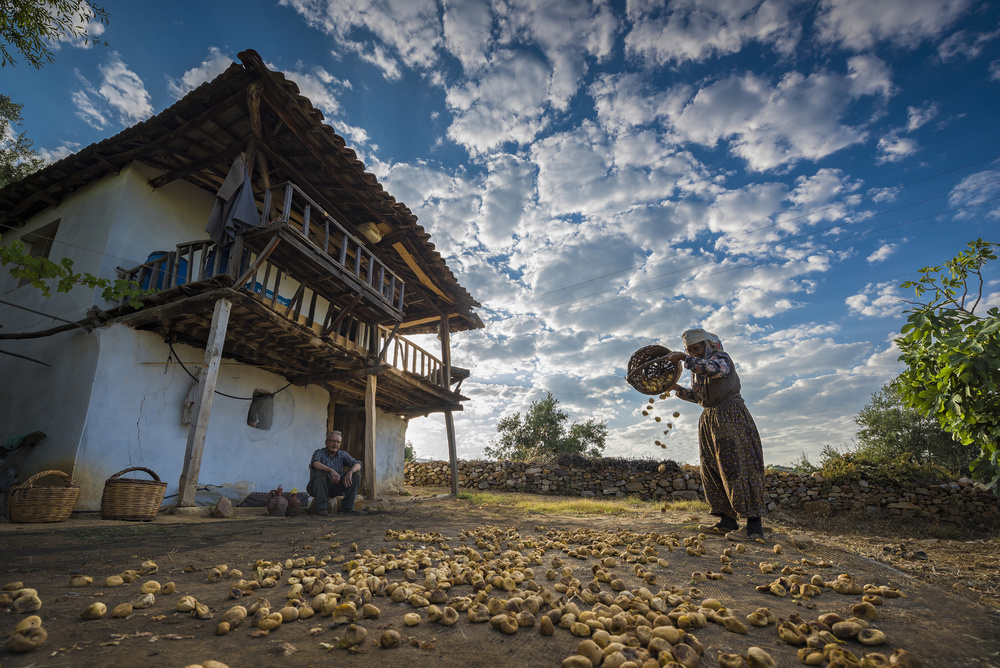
(650, 372)
(29, 503)
(130, 498)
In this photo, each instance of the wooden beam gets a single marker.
(444, 332)
(203, 404)
(340, 376)
(194, 167)
(371, 479)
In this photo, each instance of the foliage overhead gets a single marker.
(889, 430)
(952, 355)
(17, 157)
(541, 434)
(31, 27)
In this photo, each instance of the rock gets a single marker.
(818, 507)
(679, 484)
(224, 508)
(684, 495)
(587, 495)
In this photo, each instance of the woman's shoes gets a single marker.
(743, 534)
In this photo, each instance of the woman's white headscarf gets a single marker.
(711, 341)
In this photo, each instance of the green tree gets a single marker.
(541, 433)
(890, 430)
(17, 157)
(31, 26)
(409, 453)
(952, 355)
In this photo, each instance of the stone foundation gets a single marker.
(959, 501)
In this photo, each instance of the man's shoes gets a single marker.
(348, 511)
(313, 511)
(742, 534)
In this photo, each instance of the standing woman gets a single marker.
(732, 460)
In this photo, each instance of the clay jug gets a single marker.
(294, 504)
(276, 502)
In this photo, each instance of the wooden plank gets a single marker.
(449, 420)
(203, 404)
(370, 479)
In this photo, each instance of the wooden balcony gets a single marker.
(314, 304)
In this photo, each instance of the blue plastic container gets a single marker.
(161, 272)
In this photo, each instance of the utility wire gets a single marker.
(757, 264)
(854, 200)
(782, 241)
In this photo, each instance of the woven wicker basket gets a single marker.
(649, 371)
(130, 498)
(43, 504)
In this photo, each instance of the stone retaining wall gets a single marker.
(959, 501)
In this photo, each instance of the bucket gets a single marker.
(161, 272)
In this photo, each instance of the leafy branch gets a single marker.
(39, 272)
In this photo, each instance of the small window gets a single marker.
(261, 410)
(39, 243)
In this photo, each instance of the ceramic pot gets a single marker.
(294, 505)
(276, 502)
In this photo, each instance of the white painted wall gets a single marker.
(135, 420)
(390, 437)
(109, 400)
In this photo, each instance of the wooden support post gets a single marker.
(449, 419)
(203, 403)
(371, 483)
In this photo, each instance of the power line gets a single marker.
(786, 240)
(855, 200)
(757, 264)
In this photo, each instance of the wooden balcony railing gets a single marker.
(302, 213)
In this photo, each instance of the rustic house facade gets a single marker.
(288, 320)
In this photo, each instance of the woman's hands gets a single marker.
(677, 356)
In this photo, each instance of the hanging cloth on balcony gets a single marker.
(235, 209)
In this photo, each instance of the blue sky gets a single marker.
(605, 175)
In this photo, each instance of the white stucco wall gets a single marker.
(109, 400)
(54, 399)
(135, 420)
(390, 437)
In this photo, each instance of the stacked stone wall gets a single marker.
(959, 501)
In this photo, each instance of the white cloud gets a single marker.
(467, 34)
(214, 64)
(966, 44)
(80, 17)
(994, 70)
(124, 91)
(64, 149)
(861, 24)
(882, 253)
(975, 192)
(506, 104)
(320, 87)
(508, 192)
(879, 300)
(920, 116)
(86, 109)
(799, 117)
(695, 30)
(409, 29)
(893, 148)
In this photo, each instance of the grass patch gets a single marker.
(571, 505)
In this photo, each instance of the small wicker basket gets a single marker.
(130, 498)
(29, 503)
(649, 371)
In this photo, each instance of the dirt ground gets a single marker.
(949, 615)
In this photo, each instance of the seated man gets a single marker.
(333, 473)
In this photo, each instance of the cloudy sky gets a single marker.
(605, 175)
